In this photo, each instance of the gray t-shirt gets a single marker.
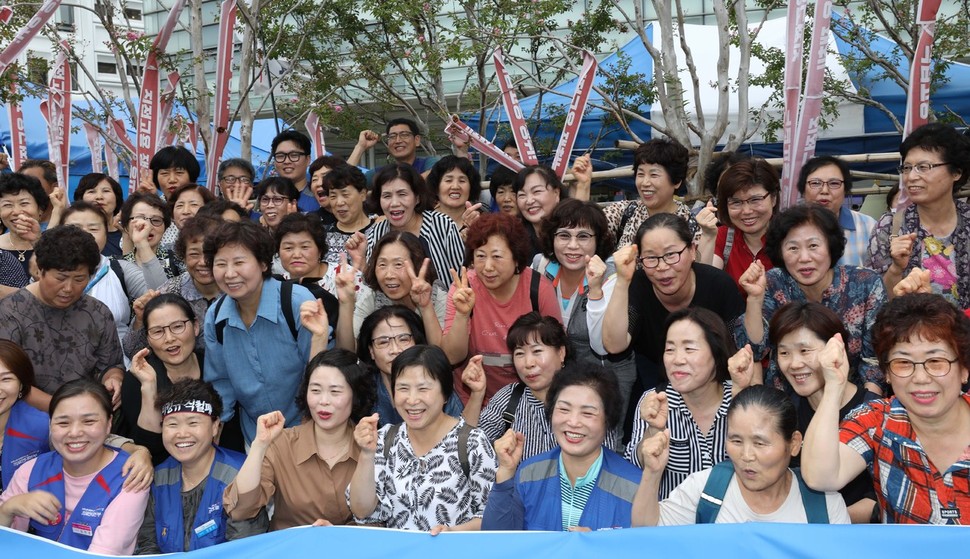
(63, 344)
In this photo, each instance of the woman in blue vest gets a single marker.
(754, 485)
(580, 486)
(190, 483)
(74, 494)
(23, 428)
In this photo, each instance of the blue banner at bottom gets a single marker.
(751, 541)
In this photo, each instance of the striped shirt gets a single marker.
(908, 486)
(439, 237)
(858, 229)
(690, 450)
(574, 498)
(530, 420)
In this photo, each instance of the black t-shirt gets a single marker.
(715, 291)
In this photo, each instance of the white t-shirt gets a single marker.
(681, 506)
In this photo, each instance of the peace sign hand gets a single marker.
(420, 288)
(463, 297)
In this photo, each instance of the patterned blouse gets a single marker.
(856, 295)
(614, 216)
(421, 492)
(947, 259)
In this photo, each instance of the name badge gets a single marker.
(81, 529)
(205, 528)
(950, 513)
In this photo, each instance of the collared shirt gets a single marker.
(858, 230)
(259, 366)
(575, 497)
(303, 486)
(740, 257)
(307, 202)
(908, 486)
(690, 450)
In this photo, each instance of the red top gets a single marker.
(740, 257)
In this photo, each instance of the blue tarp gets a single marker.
(750, 541)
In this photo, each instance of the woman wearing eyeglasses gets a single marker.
(804, 243)
(915, 443)
(144, 218)
(635, 305)
(236, 177)
(827, 181)
(384, 334)
(171, 355)
(934, 231)
(277, 197)
(747, 197)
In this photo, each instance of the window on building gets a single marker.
(65, 18)
(107, 67)
(133, 11)
(37, 70)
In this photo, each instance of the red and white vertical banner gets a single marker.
(111, 162)
(93, 135)
(192, 131)
(316, 134)
(920, 74)
(458, 128)
(166, 133)
(27, 32)
(794, 51)
(57, 111)
(6, 12)
(18, 137)
(520, 131)
(806, 131)
(119, 133)
(149, 103)
(220, 116)
(574, 116)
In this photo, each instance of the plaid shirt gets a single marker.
(909, 488)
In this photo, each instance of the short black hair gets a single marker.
(952, 147)
(191, 389)
(804, 214)
(357, 375)
(503, 176)
(91, 180)
(595, 377)
(82, 206)
(574, 213)
(772, 402)
(447, 164)
(217, 207)
(67, 248)
(246, 234)
(195, 227)
(329, 161)
(205, 193)
(310, 224)
(295, 136)
(433, 360)
(344, 175)
(12, 184)
(407, 173)
(665, 152)
(174, 157)
(547, 174)
(673, 222)
(280, 185)
(167, 299)
(79, 387)
(715, 168)
(546, 329)
(366, 335)
(415, 250)
(237, 162)
(46, 165)
(817, 163)
(148, 199)
(716, 335)
(412, 126)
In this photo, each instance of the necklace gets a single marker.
(22, 254)
(341, 450)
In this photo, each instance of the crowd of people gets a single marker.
(325, 346)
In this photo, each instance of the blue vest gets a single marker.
(26, 438)
(209, 527)
(78, 530)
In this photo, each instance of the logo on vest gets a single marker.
(81, 529)
(214, 508)
(92, 513)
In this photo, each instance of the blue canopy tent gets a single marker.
(36, 131)
(858, 129)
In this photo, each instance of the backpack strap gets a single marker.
(389, 439)
(463, 433)
(898, 218)
(534, 290)
(728, 243)
(120, 273)
(628, 212)
(713, 494)
(816, 509)
(286, 300)
(220, 324)
(509, 414)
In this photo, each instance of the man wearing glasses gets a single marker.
(826, 181)
(402, 140)
(291, 157)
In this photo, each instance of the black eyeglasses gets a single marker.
(292, 156)
(384, 342)
(232, 179)
(669, 258)
(817, 184)
(155, 221)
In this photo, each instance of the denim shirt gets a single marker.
(259, 367)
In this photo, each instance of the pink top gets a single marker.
(490, 325)
(119, 526)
